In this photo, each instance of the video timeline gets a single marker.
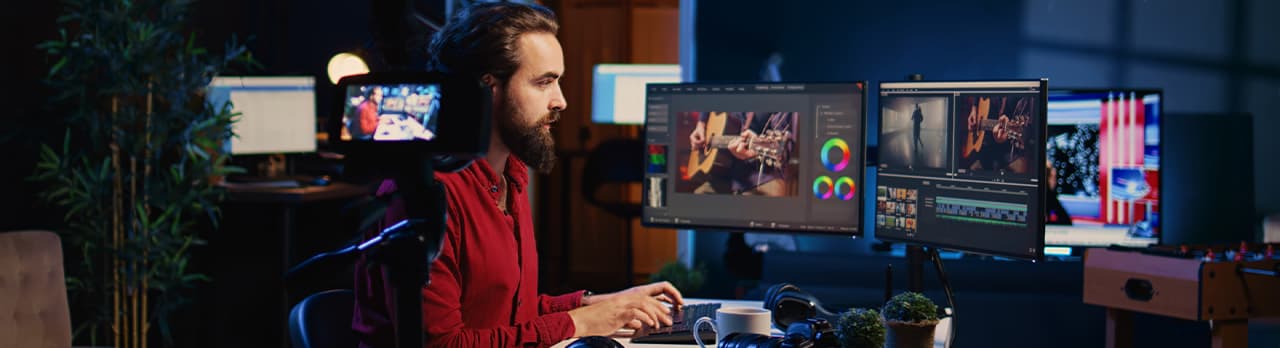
(983, 212)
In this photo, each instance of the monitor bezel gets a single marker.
(862, 171)
(1041, 187)
(1078, 249)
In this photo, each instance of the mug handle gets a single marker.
(698, 338)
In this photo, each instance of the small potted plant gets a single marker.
(861, 328)
(911, 319)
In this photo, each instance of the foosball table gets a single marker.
(1224, 286)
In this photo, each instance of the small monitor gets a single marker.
(962, 167)
(775, 157)
(277, 114)
(1103, 149)
(618, 90)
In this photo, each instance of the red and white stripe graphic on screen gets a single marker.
(1120, 140)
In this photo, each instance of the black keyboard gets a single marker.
(681, 331)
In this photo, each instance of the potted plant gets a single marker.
(911, 318)
(134, 172)
(682, 277)
(861, 328)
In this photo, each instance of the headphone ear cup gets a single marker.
(791, 307)
(771, 293)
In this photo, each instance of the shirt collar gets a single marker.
(516, 171)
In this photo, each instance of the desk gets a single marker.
(255, 248)
(939, 336)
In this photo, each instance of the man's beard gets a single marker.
(530, 143)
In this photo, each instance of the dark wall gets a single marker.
(287, 37)
(1209, 57)
(26, 123)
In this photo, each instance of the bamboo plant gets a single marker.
(134, 172)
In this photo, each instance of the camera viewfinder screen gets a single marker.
(391, 112)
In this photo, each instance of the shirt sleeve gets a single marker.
(563, 303)
(442, 310)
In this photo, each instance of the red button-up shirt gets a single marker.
(484, 286)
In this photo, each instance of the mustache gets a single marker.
(550, 118)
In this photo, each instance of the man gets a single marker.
(367, 114)
(917, 144)
(749, 173)
(916, 118)
(483, 290)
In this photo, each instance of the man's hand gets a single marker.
(1001, 130)
(661, 293)
(604, 316)
(974, 122)
(698, 139)
(740, 147)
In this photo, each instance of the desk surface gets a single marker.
(939, 336)
(250, 193)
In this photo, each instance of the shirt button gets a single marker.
(493, 189)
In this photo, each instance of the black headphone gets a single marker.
(788, 304)
(807, 333)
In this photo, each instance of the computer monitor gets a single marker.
(1104, 183)
(961, 165)
(277, 113)
(774, 157)
(617, 95)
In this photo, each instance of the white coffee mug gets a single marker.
(735, 320)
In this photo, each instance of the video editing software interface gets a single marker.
(762, 156)
(1104, 184)
(392, 112)
(961, 165)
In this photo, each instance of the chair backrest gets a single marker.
(33, 291)
(614, 161)
(323, 320)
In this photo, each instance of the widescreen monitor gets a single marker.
(780, 157)
(1103, 149)
(962, 167)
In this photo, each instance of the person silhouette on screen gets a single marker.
(916, 118)
(917, 144)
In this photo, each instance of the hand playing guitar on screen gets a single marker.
(741, 146)
(698, 139)
(1000, 130)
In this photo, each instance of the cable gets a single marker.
(946, 288)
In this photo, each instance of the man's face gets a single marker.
(376, 95)
(531, 101)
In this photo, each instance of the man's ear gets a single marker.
(490, 81)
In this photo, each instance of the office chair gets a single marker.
(33, 292)
(615, 162)
(323, 320)
(618, 162)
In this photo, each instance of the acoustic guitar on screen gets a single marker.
(715, 159)
(1014, 127)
